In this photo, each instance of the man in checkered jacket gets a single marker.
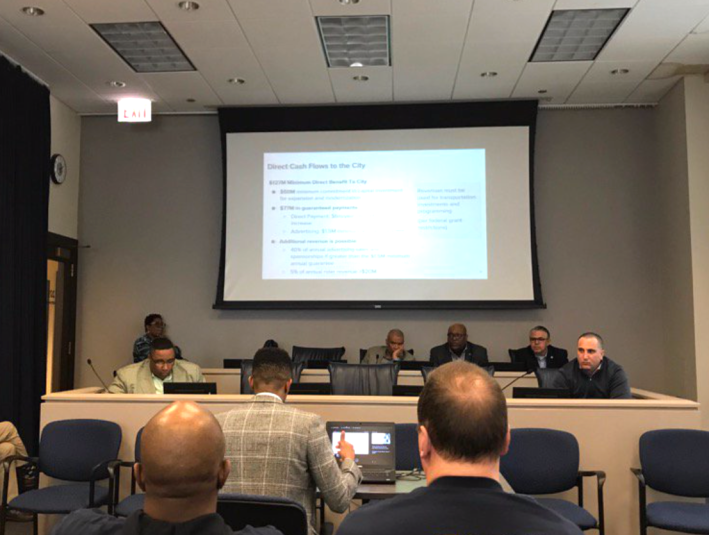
(278, 450)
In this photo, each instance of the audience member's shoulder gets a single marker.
(89, 522)
(130, 367)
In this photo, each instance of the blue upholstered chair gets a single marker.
(674, 461)
(134, 501)
(407, 447)
(362, 379)
(76, 451)
(241, 510)
(247, 367)
(546, 461)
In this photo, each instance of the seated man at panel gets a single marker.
(278, 450)
(393, 350)
(458, 348)
(540, 353)
(463, 431)
(180, 497)
(149, 376)
(593, 375)
(154, 328)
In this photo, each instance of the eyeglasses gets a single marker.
(456, 336)
(158, 324)
(537, 339)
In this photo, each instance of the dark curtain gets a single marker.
(24, 198)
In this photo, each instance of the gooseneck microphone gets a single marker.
(513, 381)
(88, 361)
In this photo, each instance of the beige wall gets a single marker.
(150, 208)
(64, 199)
(697, 118)
(673, 246)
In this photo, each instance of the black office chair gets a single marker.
(307, 354)
(363, 379)
(674, 461)
(546, 461)
(241, 510)
(407, 447)
(550, 378)
(247, 367)
(426, 371)
(516, 355)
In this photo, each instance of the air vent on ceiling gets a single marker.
(145, 46)
(577, 34)
(355, 41)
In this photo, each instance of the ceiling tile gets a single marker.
(93, 11)
(377, 89)
(426, 45)
(693, 50)
(221, 34)
(364, 7)
(209, 10)
(176, 87)
(652, 91)
(558, 79)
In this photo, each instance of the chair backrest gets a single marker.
(676, 461)
(241, 510)
(541, 461)
(490, 370)
(136, 453)
(407, 447)
(362, 379)
(304, 354)
(425, 371)
(70, 449)
(516, 355)
(247, 368)
(549, 378)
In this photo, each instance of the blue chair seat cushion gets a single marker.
(59, 499)
(678, 516)
(570, 511)
(130, 505)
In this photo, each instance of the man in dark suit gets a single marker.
(458, 348)
(540, 353)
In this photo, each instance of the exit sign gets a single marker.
(134, 110)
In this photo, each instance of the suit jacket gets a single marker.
(137, 379)
(556, 357)
(278, 450)
(473, 353)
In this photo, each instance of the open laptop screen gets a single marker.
(373, 442)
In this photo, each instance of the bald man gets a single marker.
(458, 348)
(180, 489)
(394, 350)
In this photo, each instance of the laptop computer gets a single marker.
(523, 392)
(375, 448)
(310, 389)
(190, 388)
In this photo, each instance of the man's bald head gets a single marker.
(464, 413)
(182, 453)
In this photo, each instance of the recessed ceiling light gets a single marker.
(188, 6)
(488, 74)
(577, 34)
(31, 11)
(116, 83)
(349, 2)
(191, 100)
(237, 81)
(620, 71)
(360, 78)
(357, 64)
(542, 91)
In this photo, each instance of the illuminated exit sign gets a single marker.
(134, 110)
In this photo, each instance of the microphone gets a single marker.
(88, 361)
(513, 381)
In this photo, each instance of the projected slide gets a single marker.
(403, 214)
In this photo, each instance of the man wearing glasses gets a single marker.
(150, 376)
(155, 327)
(458, 348)
(540, 353)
